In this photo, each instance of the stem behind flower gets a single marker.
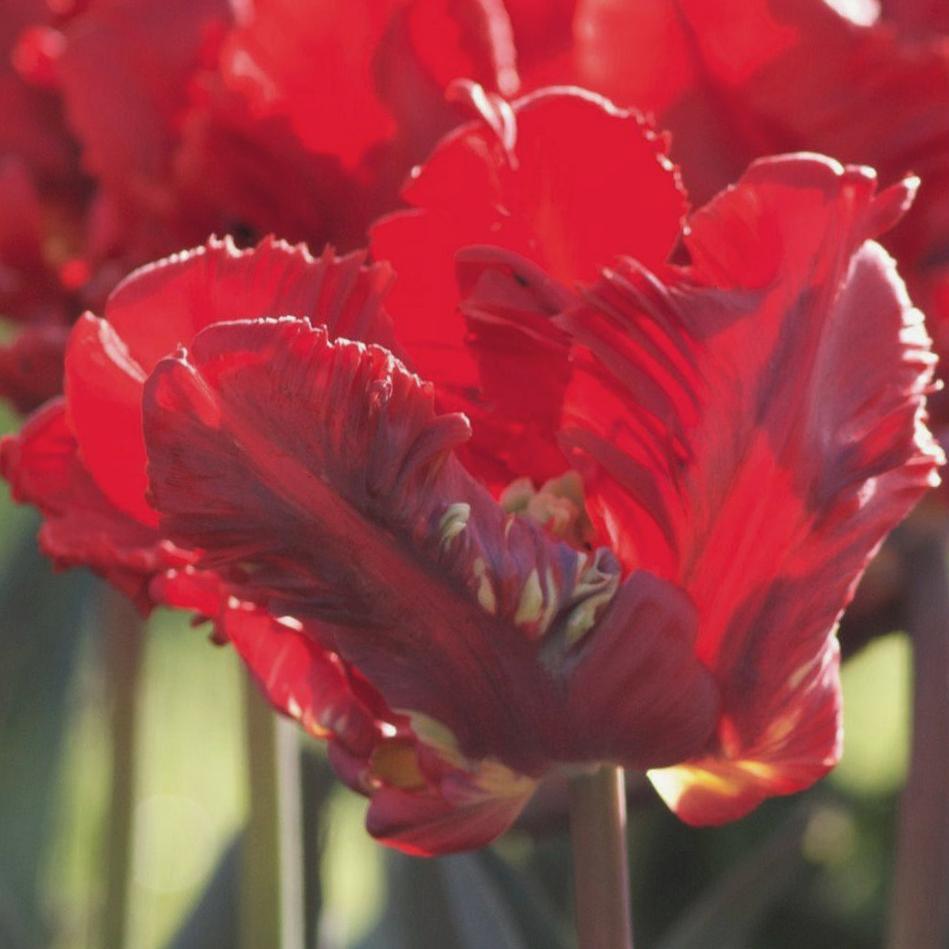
(271, 912)
(601, 876)
(919, 913)
(123, 647)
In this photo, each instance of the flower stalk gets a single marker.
(601, 875)
(123, 647)
(271, 911)
(919, 911)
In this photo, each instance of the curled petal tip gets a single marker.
(493, 109)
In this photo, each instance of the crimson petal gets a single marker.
(133, 60)
(219, 282)
(527, 190)
(163, 305)
(725, 454)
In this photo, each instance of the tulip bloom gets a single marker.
(619, 523)
(191, 119)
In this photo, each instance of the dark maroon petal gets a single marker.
(321, 474)
(621, 707)
(326, 466)
(457, 815)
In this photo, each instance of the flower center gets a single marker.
(558, 506)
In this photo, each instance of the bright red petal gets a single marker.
(162, 306)
(104, 405)
(738, 79)
(637, 53)
(321, 474)
(82, 527)
(299, 677)
(270, 59)
(527, 189)
(462, 39)
(725, 454)
(384, 82)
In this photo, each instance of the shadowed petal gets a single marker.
(326, 467)
(425, 797)
(319, 475)
(507, 303)
(133, 60)
(31, 366)
(644, 642)
(464, 811)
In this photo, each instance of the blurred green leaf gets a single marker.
(730, 910)
(467, 901)
(318, 784)
(877, 712)
(212, 922)
(40, 626)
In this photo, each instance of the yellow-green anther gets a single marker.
(531, 604)
(486, 598)
(453, 521)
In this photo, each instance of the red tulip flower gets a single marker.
(619, 522)
(190, 120)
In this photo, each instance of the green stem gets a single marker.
(123, 646)
(601, 876)
(919, 912)
(271, 912)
